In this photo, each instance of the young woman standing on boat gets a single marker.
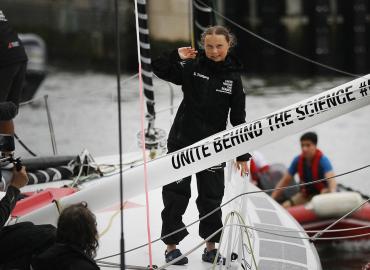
(212, 89)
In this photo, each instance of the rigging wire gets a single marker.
(118, 70)
(267, 231)
(278, 46)
(24, 145)
(234, 198)
(250, 250)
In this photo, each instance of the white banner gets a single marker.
(222, 146)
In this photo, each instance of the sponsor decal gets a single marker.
(196, 74)
(13, 44)
(272, 123)
(227, 87)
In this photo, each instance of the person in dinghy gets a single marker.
(311, 165)
(212, 87)
(259, 169)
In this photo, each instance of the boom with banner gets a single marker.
(219, 147)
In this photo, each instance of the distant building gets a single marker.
(169, 19)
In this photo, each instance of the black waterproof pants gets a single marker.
(176, 197)
(21, 241)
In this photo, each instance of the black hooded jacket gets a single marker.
(63, 257)
(11, 48)
(211, 90)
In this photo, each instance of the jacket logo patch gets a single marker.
(13, 44)
(196, 74)
(227, 87)
(2, 17)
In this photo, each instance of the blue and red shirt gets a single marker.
(308, 172)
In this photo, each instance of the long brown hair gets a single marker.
(77, 227)
(219, 30)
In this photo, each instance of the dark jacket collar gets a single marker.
(231, 63)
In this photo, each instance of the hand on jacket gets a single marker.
(187, 53)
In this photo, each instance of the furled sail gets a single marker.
(155, 138)
(145, 61)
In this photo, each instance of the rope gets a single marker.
(278, 46)
(58, 206)
(77, 178)
(118, 75)
(232, 199)
(109, 224)
(142, 119)
(221, 237)
(130, 78)
(24, 145)
(250, 250)
(249, 240)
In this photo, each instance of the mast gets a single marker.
(191, 24)
(153, 136)
(145, 59)
(202, 17)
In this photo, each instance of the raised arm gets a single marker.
(170, 66)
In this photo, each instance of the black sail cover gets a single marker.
(203, 17)
(145, 60)
(41, 170)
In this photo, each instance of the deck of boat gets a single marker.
(271, 251)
